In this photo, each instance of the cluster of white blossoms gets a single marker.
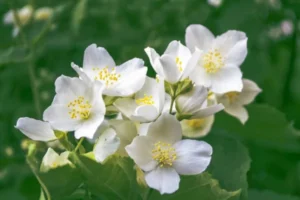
(152, 115)
(25, 14)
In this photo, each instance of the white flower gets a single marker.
(147, 104)
(42, 14)
(35, 129)
(195, 128)
(123, 80)
(218, 67)
(215, 3)
(175, 64)
(114, 139)
(24, 15)
(163, 155)
(52, 160)
(194, 105)
(78, 106)
(234, 101)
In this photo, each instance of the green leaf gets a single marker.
(62, 181)
(230, 163)
(78, 15)
(202, 186)
(266, 195)
(266, 126)
(116, 179)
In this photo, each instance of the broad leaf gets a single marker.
(199, 187)
(266, 195)
(230, 163)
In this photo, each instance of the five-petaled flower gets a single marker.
(163, 155)
(218, 66)
(78, 106)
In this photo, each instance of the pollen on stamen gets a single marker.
(79, 108)
(164, 154)
(146, 100)
(213, 61)
(232, 96)
(109, 77)
(179, 63)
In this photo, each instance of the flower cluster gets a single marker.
(123, 112)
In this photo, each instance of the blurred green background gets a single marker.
(125, 28)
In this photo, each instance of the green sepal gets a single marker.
(63, 139)
(183, 87)
(108, 100)
(181, 117)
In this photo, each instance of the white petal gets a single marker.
(249, 92)
(126, 105)
(193, 157)
(208, 111)
(227, 79)
(88, 128)
(140, 150)
(58, 117)
(225, 42)
(171, 71)
(107, 144)
(154, 60)
(192, 63)
(189, 102)
(130, 83)
(239, 112)
(97, 57)
(165, 129)
(175, 48)
(63, 158)
(165, 180)
(8, 18)
(80, 72)
(126, 131)
(238, 53)
(35, 129)
(198, 36)
(195, 128)
(69, 88)
(143, 128)
(50, 158)
(200, 77)
(155, 89)
(148, 112)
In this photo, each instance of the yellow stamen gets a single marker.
(108, 77)
(164, 154)
(232, 96)
(195, 123)
(146, 100)
(213, 61)
(79, 108)
(179, 63)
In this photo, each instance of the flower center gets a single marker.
(108, 77)
(164, 154)
(179, 63)
(79, 108)
(195, 123)
(232, 96)
(146, 100)
(213, 61)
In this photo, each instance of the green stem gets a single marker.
(78, 144)
(31, 61)
(292, 66)
(172, 103)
